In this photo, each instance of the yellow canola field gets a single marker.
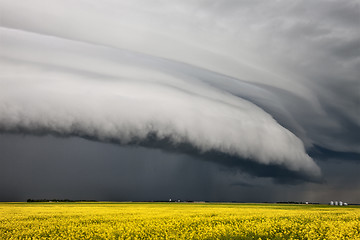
(177, 221)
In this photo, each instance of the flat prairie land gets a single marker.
(110, 220)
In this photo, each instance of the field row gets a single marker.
(176, 221)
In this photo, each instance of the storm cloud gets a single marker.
(263, 82)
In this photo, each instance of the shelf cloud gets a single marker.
(227, 77)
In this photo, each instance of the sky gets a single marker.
(247, 101)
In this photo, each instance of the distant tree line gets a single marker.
(297, 202)
(58, 200)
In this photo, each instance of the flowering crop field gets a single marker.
(103, 220)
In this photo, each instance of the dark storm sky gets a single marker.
(193, 100)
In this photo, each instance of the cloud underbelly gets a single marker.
(64, 87)
(126, 110)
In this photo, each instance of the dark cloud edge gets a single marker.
(325, 154)
(277, 173)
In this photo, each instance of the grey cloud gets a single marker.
(147, 102)
(74, 168)
(349, 50)
(260, 81)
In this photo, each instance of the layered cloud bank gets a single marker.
(218, 77)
